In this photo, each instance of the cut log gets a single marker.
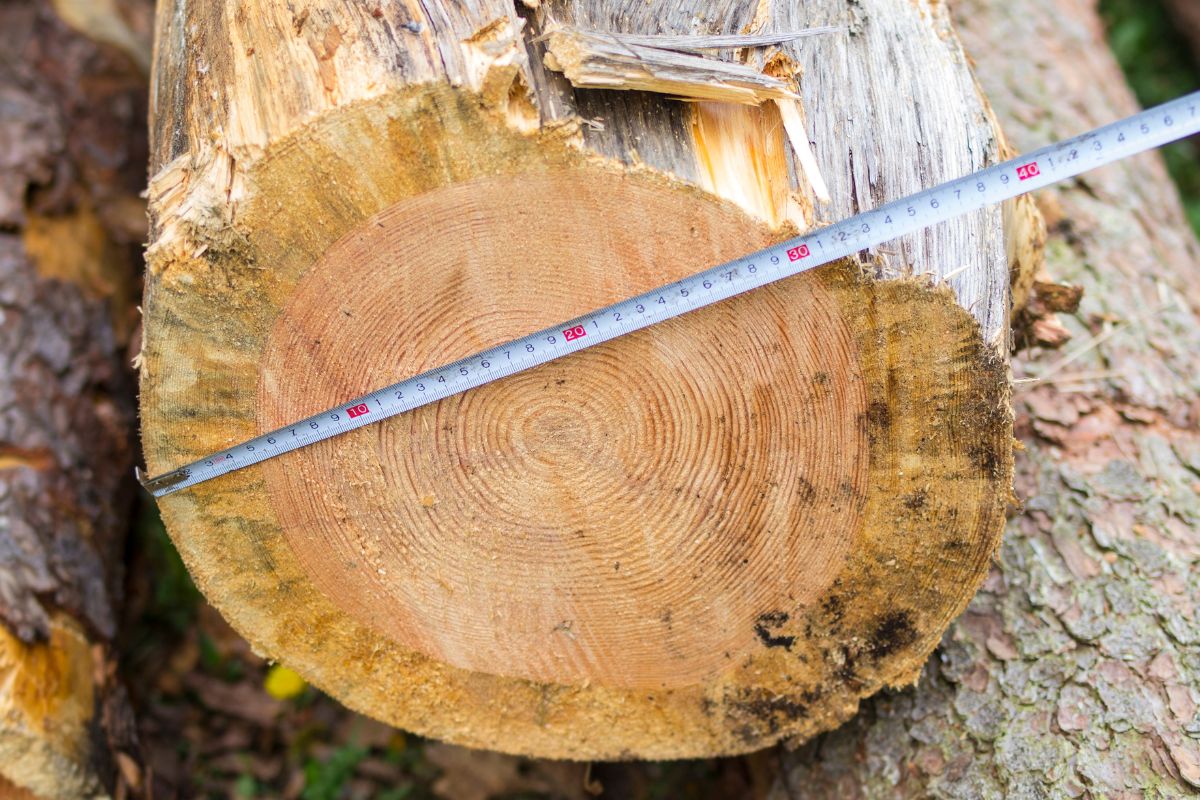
(72, 146)
(699, 539)
(1074, 672)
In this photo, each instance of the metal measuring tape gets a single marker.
(1144, 131)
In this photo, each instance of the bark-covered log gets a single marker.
(72, 150)
(699, 539)
(1076, 670)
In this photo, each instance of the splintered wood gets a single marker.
(592, 60)
(603, 61)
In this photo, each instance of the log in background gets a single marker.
(73, 149)
(1076, 670)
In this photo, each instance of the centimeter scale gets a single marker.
(1144, 131)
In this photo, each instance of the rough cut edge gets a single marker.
(1025, 237)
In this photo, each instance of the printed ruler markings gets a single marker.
(1057, 162)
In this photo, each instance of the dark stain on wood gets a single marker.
(893, 631)
(769, 622)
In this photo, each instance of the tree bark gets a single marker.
(71, 150)
(1075, 671)
(699, 539)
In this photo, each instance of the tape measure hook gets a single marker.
(162, 481)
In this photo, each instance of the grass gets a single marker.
(1160, 67)
(323, 780)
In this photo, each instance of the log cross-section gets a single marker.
(699, 539)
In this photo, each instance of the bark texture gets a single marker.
(71, 157)
(1076, 670)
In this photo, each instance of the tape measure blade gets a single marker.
(1043, 167)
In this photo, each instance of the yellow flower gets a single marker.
(283, 684)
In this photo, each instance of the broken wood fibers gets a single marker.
(699, 539)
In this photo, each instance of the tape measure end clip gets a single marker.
(156, 485)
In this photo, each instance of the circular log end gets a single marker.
(698, 539)
(623, 517)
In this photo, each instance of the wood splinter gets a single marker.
(595, 60)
